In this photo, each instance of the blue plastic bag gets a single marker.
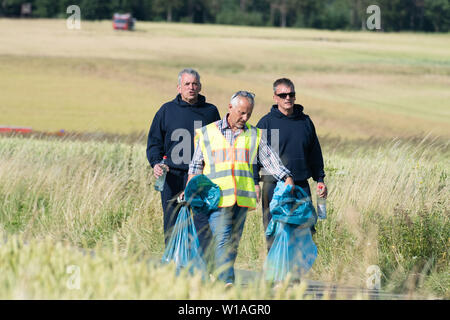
(202, 195)
(293, 250)
(183, 247)
(296, 208)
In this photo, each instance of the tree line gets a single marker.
(396, 15)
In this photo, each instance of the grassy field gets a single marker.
(379, 102)
(353, 84)
(388, 206)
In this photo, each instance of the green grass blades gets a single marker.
(387, 206)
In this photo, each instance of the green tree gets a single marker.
(140, 9)
(283, 8)
(11, 8)
(396, 15)
(336, 15)
(308, 13)
(239, 12)
(167, 7)
(399, 15)
(96, 9)
(45, 9)
(437, 15)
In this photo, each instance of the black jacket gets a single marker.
(299, 147)
(172, 131)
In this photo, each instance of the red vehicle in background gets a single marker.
(123, 21)
(10, 129)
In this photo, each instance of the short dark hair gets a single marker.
(283, 81)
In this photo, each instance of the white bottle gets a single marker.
(321, 206)
(159, 183)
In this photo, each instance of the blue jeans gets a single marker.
(227, 225)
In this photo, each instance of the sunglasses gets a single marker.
(284, 95)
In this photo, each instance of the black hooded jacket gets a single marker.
(299, 147)
(172, 131)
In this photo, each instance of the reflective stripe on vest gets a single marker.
(230, 167)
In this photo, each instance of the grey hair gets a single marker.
(242, 94)
(188, 71)
(283, 81)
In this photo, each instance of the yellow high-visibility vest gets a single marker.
(230, 166)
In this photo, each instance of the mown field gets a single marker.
(353, 84)
(379, 103)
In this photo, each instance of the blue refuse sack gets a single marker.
(293, 250)
(202, 195)
(183, 247)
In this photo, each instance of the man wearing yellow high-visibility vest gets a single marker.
(225, 151)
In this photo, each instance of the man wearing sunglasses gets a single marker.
(291, 133)
(225, 152)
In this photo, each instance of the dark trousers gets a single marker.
(267, 194)
(174, 185)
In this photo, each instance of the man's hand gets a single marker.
(322, 191)
(290, 181)
(158, 171)
(190, 176)
(258, 193)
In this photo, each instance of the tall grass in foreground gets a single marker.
(388, 206)
(47, 269)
